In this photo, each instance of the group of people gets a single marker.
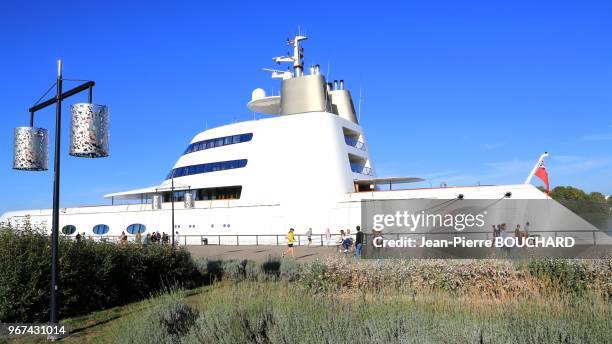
(500, 230)
(157, 238)
(150, 239)
(345, 241)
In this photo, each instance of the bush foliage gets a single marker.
(164, 322)
(238, 270)
(92, 275)
(278, 312)
(96, 275)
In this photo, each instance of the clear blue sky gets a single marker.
(456, 91)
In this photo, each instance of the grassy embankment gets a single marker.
(339, 301)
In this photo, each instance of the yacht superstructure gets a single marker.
(309, 166)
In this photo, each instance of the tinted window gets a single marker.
(205, 168)
(218, 142)
(100, 229)
(69, 229)
(136, 228)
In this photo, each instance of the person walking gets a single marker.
(123, 239)
(359, 239)
(327, 236)
(518, 234)
(165, 238)
(309, 236)
(177, 239)
(340, 241)
(346, 240)
(350, 237)
(290, 240)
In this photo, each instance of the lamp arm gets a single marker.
(86, 86)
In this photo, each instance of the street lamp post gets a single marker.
(172, 197)
(89, 138)
(173, 189)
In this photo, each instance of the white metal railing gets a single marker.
(228, 239)
(361, 169)
(587, 237)
(354, 143)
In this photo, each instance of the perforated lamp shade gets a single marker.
(89, 130)
(188, 200)
(157, 201)
(31, 149)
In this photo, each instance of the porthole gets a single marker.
(100, 229)
(68, 229)
(136, 228)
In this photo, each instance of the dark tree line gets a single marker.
(581, 202)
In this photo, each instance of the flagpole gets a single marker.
(535, 168)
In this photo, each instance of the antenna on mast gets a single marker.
(298, 54)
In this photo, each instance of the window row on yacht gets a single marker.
(218, 142)
(102, 229)
(206, 194)
(132, 229)
(205, 168)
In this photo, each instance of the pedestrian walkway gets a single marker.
(302, 253)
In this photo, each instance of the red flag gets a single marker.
(543, 174)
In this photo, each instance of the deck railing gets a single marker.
(235, 240)
(354, 143)
(587, 237)
(357, 168)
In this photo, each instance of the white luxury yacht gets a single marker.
(308, 166)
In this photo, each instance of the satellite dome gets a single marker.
(258, 93)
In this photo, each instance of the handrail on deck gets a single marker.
(322, 240)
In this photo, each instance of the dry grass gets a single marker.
(488, 279)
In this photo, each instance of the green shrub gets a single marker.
(253, 271)
(165, 322)
(314, 277)
(569, 275)
(290, 270)
(274, 312)
(92, 275)
(271, 267)
(211, 270)
(236, 319)
(268, 270)
(233, 270)
(24, 276)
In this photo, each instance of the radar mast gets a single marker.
(298, 55)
